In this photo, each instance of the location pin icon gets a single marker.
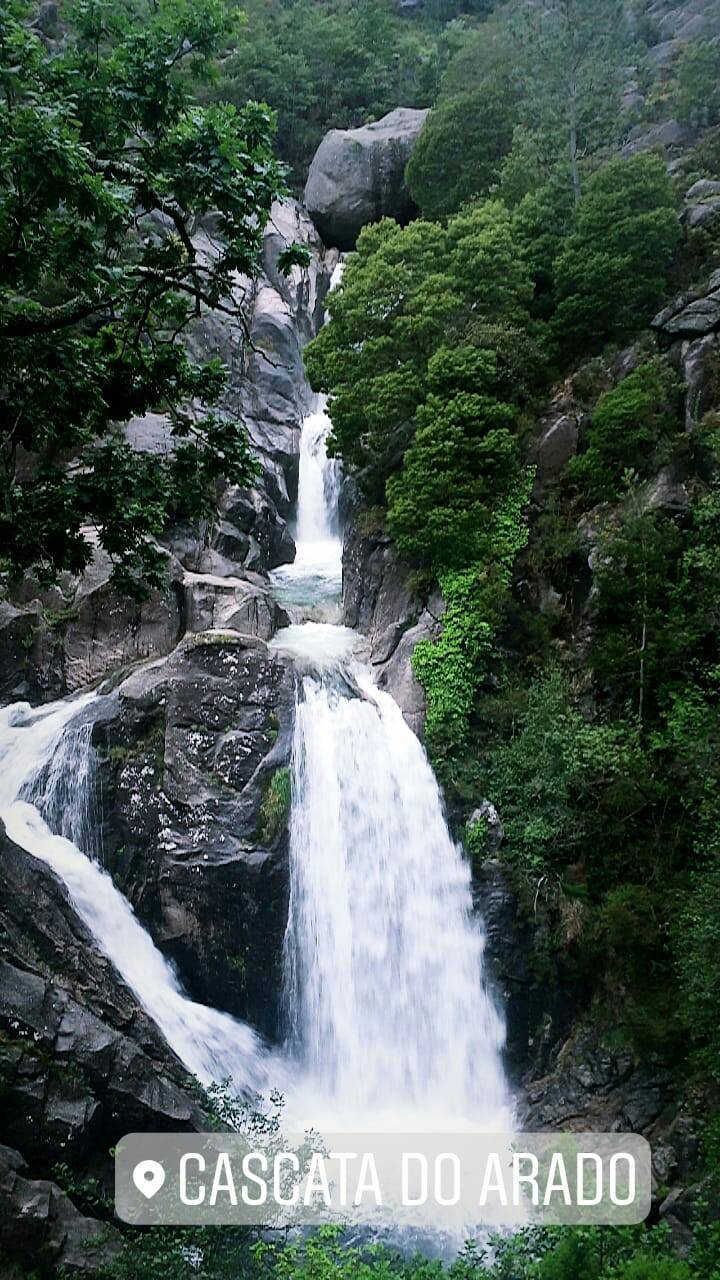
(148, 1177)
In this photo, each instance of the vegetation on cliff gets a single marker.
(574, 683)
(106, 164)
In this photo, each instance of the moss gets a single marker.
(275, 807)
(152, 744)
(58, 619)
(238, 964)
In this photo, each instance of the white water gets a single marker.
(390, 1023)
(314, 578)
(389, 1017)
(44, 760)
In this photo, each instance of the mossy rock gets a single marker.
(275, 808)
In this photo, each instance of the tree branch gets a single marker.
(23, 319)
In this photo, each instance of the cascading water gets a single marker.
(45, 769)
(390, 1023)
(312, 582)
(390, 1020)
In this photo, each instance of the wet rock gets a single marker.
(487, 818)
(358, 176)
(666, 493)
(599, 1087)
(556, 444)
(699, 361)
(230, 604)
(189, 747)
(80, 1062)
(106, 630)
(538, 1012)
(380, 601)
(692, 314)
(19, 628)
(40, 1226)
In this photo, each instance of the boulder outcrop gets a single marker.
(358, 176)
(380, 600)
(192, 761)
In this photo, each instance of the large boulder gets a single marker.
(358, 176)
(193, 769)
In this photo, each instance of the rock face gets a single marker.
(538, 1013)
(193, 755)
(379, 600)
(54, 642)
(80, 1062)
(555, 444)
(357, 176)
(692, 315)
(80, 1065)
(593, 1084)
(40, 1226)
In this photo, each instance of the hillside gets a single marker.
(219, 838)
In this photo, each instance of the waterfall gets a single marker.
(389, 1019)
(312, 582)
(390, 1024)
(45, 769)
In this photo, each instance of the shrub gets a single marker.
(459, 153)
(697, 89)
(628, 425)
(611, 271)
(697, 946)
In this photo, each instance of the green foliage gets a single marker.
(275, 807)
(463, 454)
(100, 277)
(459, 153)
(327, 66)
(406, 293)
(571, 59)
(451, 667)
(628, 425)
(611, 270)
(559, 1253)
(697, 946)
(558, 778)
(541, 219)
(697, 89)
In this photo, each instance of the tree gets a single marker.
(611, 270)
(697, 85)
(628, 425)
(571, 59)
(106, 164)
(462, 457)
(405, 293)
(460, 151)
(329, 66)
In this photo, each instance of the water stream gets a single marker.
(389, 1022)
